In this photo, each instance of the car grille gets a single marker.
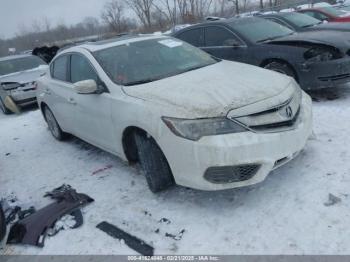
(231, 174)
(333, 78)
(281, 117)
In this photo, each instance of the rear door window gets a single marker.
(193, 36)
(219, 36)
(59, 68)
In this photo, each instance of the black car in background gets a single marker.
(301, 22)
(316, 60)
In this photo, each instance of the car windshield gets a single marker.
(15, 65)
(150, 60)
(259, 30)
(301, 20)
(332, 11)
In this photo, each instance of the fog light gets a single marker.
(231, 174)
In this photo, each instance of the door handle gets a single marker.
(72, 101)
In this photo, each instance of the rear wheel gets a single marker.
(2, 224)
(281, 67)
(153, 163)
(54, 127)
(4, 108)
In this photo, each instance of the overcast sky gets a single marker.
(16, 12)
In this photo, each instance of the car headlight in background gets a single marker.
(319, 54)
(194, 129)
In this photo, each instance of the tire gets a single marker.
(4, 108)
(53, 125)
(2, 224)
(153, 163)
(282, 68)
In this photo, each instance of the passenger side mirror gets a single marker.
(231, 42)
(86, 87)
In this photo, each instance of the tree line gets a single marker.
(144, 16)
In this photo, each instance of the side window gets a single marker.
(81, 69)
(320, 16)
(194, 37)
(59, 68)
(218, 36)
(279, 22)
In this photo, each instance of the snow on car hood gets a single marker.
(24, 77)
(213, 90)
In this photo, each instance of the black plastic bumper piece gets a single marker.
(131, 241)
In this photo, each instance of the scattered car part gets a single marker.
(32, 230)
(131, 241)
(332, 200)
(176, 237)
(11, 105)
(2, 223)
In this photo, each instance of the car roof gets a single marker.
(99, 45)
(12, 57)
(233, 20)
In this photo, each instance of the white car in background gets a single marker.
(187, 117)
(18, 74)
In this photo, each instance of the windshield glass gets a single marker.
(150, 60)
(301, 20)
(259, 30)
(19, 64)
(332, 11)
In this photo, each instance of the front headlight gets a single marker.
(319, 54)
(194, 129)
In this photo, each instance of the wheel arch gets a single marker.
(282, 61)
(128, 142)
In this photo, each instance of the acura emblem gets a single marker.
(289, 111)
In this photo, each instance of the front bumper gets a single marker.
(324, 74)
(23, 98)
(190, 160)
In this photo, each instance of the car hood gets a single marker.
(340, 40)
(24, 77)
(332, 26)
(213, 90)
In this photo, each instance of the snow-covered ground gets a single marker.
(286, 214)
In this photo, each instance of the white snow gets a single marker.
(286, 214)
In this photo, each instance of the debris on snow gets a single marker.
(164, 220)
(176, 237)
(101, 170)
(33, 228)
(131, 241)
(332, 200)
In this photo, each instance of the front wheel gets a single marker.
(282, 68)
(54, 127)
(153, 163)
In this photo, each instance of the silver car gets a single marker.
(17, 80)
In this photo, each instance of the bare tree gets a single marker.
(143, 10)
(169, 9)
(113, 15)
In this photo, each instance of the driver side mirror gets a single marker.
(86, 87)
(232, 42)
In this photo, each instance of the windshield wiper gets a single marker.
(305, 26)
(139, 82)
(268, 39)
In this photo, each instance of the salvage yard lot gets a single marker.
(286, 214)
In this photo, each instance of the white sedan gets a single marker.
(186, 117)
